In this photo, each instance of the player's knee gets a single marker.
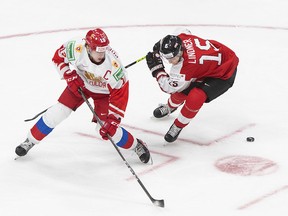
(196, 98)
(56, 114)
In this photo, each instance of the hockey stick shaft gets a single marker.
(138, 60)
(127, 66)
(26, 120)
(159, 203)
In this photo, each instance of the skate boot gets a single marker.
(172, 133)
(163, 110)
(142, 151)
(24, 147)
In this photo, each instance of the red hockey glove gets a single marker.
(154, 63)
(110, 126)
(74, 82)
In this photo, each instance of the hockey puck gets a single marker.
(250, 139)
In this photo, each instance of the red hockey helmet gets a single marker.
(96, 39)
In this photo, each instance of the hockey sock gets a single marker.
(193, 103)
(124, 139)
(176, 99)
(40, 130)
(51, 118)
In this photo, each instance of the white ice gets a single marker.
(73, 172)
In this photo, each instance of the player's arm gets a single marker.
(119, 100)
(60, 61)
(168, 83)
(119, 92)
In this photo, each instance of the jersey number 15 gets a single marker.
(207, 46)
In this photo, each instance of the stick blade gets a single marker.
(159, 203)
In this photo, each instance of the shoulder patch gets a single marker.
(119, 74)
(115, 64)
(79, 48)
(70, 50)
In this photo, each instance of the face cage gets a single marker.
(171, 55)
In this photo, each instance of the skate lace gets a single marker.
(164, 109)
(140, 149)
(174, 130)
(27, 145)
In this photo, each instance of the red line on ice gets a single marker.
(143, 26)
(261, 198)
(191, 141)
(170, 159)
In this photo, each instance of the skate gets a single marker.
(142, 151)
(24, 147)
(172, 133)
(163, 110)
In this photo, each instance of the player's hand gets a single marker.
(155, 63)
(109, 127)
(74, 82)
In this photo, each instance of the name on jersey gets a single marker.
(188, 44)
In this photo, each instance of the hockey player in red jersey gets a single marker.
(201, 70)
(92, 65)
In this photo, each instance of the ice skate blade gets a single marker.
(17, 157)
(150, 162)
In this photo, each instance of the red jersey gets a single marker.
(200, 59)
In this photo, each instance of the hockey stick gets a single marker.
(138, 60)
(159, 203)
(26, 120)
(127, 66)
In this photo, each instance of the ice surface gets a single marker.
(73, 172)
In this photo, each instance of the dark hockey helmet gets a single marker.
(96, 39)
(170, 46)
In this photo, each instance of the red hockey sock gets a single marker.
(176, 99)
(193, 103)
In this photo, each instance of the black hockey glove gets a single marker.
(154, 63)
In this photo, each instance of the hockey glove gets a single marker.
(154, 63)
(109, 127)
(74, 82)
